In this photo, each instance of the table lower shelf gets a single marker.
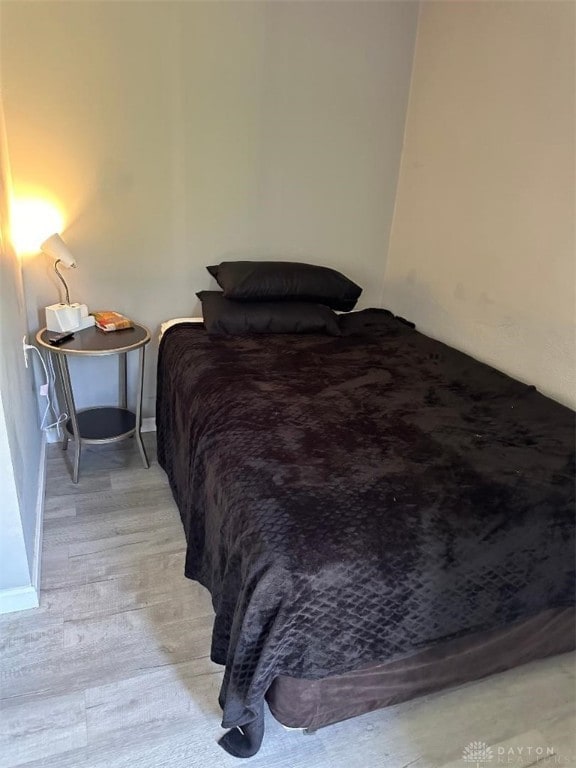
(103, 425)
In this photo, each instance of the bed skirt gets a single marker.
(311, 704)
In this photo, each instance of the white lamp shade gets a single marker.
(55, 247)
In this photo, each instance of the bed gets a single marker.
(376, 515)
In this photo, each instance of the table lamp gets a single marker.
(64, 317)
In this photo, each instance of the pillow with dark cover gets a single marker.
(285, 281)
(223, 316)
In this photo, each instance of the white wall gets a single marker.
(482, 252)
(178, 134)
(14, 566)
(20, 438)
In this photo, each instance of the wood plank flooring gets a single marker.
(113, 671)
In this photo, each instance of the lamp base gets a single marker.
(63, 318)
(86, 322)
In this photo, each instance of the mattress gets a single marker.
(356, 500)
(177, 321)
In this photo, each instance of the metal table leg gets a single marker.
(71, 407)
(137, 432)
(123, 379)
(63, 390)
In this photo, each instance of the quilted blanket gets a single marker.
(355, 499)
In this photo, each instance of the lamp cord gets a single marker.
(62, 279)
(50, 383)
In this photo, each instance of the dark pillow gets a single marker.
(285, 281)
(223, 316)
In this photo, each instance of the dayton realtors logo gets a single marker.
(479, 755)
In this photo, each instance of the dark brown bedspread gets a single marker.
(351, 500)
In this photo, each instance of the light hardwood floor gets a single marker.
(112, 671)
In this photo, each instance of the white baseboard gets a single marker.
(24, 598)
(18, 599)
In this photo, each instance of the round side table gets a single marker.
(101, 424)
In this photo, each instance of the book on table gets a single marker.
(112, 321)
